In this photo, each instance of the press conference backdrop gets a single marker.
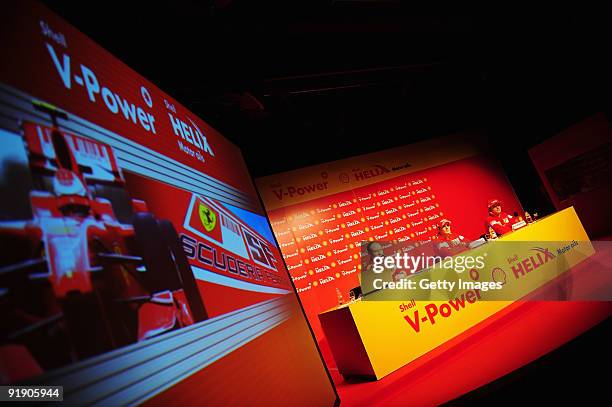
(321, 214)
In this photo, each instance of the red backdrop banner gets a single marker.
(320, 238)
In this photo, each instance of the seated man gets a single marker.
(449, 243)
(497, 220)
(368, 275)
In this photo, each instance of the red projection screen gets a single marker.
(136, 263)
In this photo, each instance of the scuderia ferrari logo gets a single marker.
(207, 216)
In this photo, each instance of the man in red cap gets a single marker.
(499, 221)
(449, 243)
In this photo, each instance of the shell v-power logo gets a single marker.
(295, 190)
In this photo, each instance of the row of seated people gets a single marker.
(497, 223)
(447, 243)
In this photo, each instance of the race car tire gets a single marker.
(190, 286)
(161, 272)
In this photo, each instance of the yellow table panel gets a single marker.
(375, 338)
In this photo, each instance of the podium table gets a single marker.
(371, 339)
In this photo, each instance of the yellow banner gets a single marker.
(394, 333)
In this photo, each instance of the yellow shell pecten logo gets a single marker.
(207, 216)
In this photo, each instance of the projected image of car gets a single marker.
(91, 269)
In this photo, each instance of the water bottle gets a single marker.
(340, 299)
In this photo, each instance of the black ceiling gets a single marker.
(299, 83)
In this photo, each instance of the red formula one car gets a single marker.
(92, 269)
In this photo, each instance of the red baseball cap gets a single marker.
(492, 203)
(443, 222)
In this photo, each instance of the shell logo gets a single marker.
(498, 275)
